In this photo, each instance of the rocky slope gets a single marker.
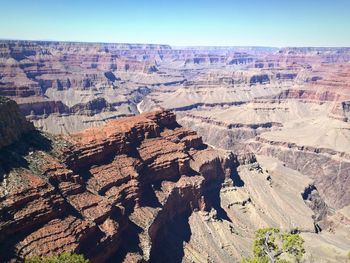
(89, 192)
(145, 189)
(12, 122)
(283, 113)
(300, 119)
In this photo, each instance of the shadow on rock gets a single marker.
(168, 245)
(14, 155)
(237, 180)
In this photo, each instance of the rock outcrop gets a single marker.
(12, 122)
(89, 192)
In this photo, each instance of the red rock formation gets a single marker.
(87, 193)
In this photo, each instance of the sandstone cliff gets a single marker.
(105, 190)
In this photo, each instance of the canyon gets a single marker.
(153, 153)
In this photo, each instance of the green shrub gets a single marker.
(270, 245)
(61, 258)
(293, 244)
(255, 260)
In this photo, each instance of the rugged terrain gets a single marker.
(145, 189)
(276, 122)
(107, 193)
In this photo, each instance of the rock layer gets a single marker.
(150, 179)
(86, 193)
(12, 123)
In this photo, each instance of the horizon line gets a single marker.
(170, 45)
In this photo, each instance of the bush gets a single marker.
(255, 260)
(61, 258)
(293, 244)
(270, 245)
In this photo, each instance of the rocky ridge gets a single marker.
(145, 189)
(89, 192)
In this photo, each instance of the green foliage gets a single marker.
(255, 260)
(293, 244)
(270, 244)
(265, 242)
(61, 258)
(262, 260)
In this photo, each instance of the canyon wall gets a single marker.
(89, 192)
(12, 122)
(276, 122)
(145, 189)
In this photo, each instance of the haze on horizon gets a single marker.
(180, 23)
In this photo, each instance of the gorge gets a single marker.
(150, 153)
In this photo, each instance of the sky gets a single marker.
(180, 23)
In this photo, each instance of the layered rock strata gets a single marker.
(88, 192)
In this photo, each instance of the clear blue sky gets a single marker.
(219, 22)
